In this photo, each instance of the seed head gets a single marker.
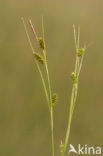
(74, 77)
(81, 52)
(54, 99)
(41, 43)
(39, 58)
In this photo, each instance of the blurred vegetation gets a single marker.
(24, 117)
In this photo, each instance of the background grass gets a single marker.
(24, 117)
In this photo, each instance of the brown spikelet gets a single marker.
(54, 99)
(33, 30)
(39, 58)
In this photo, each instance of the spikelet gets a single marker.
(81, 52)
(41, 43)
(74, 77)
(39, 58)
(54, 99)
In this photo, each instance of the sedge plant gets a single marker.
(42, 59)
(75, 79)
(51, 97)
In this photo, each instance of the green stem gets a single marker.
(52, 131)
(72, 106)
(74, 93)
(44, 85)
(50, 91)
(51, 112)
(41, 75)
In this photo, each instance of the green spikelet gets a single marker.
(74, 77)
(81, 52)
(39, 58)
(54, 99)
(41, 43)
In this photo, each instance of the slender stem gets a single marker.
(74, 89)
(41, 75)
(44, 85)
(72, 105)
(49, 84)
(43, 28)
(50, 91)
(52, 131)
(51, 110)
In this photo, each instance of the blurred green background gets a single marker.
(24, 116)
